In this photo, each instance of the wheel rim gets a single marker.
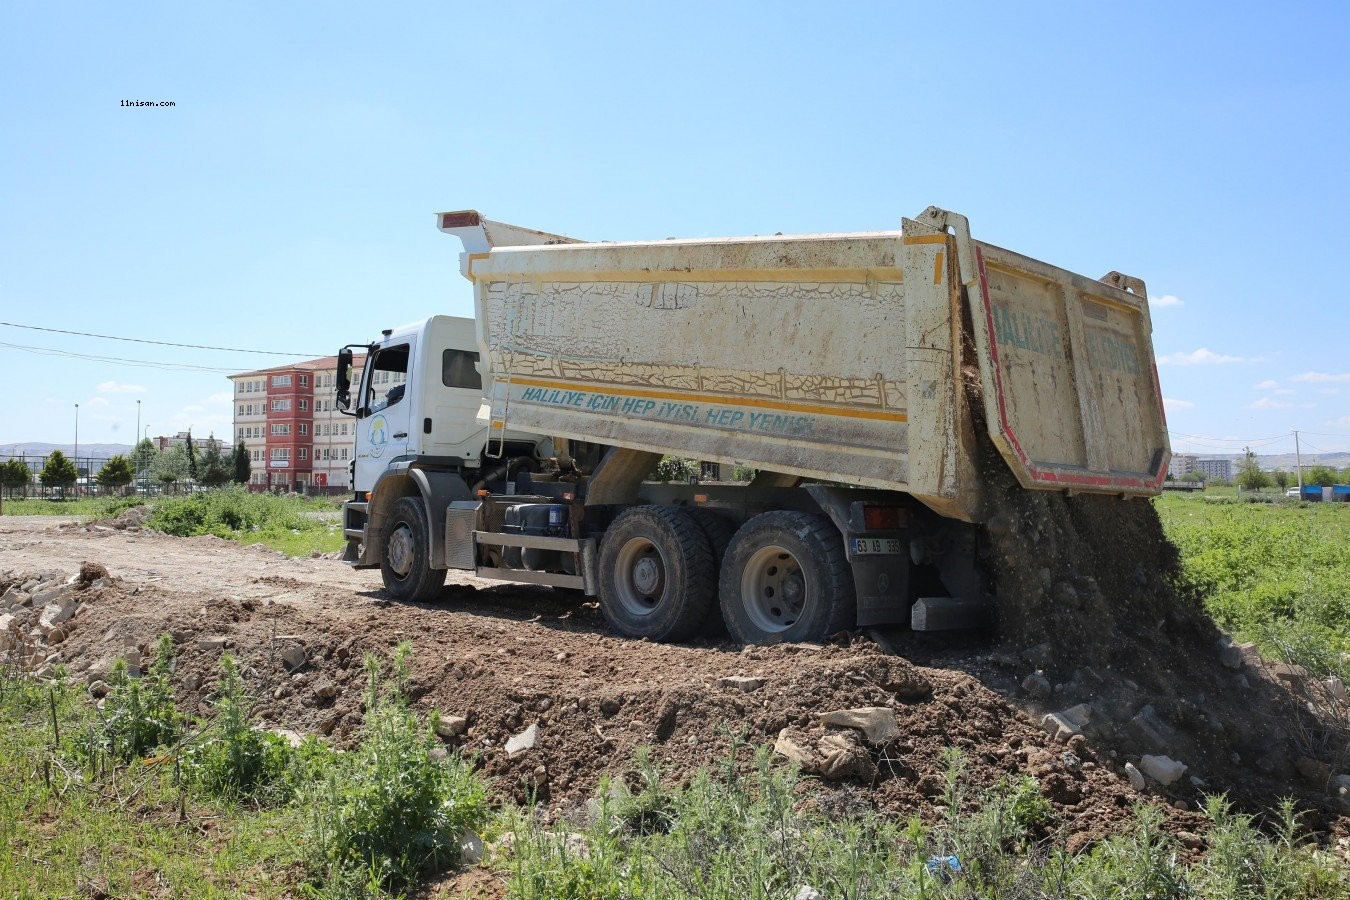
(640, 577)
(773, 590)
(400, 551)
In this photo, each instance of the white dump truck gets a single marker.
(858, 376)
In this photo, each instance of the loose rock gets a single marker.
(741, 683)
(1162, 769)
(1136, 777)
(526, 740)
(877, 723)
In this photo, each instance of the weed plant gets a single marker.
(761, 836)
(390, 810)
(138, 714)
(233, 760)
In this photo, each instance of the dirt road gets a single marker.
(507, 658)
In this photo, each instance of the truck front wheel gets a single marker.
(656, 574)
(786, 577)
(405, 558)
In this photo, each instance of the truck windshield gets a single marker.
(388, 377)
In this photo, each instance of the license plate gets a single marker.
(876, 546)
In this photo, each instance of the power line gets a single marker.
(171, 367)
(110, 337)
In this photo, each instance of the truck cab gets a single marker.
(423, 428)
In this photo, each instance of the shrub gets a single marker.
(138, 714)
(232, 759)
(390, 810)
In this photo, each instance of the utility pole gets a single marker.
(1298, 464)
(135, 446)
(77, 445)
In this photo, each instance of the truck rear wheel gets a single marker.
(656, 574)
(786, 577)
(719, 531)
(405, 557)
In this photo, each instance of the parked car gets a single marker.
(1292, 492)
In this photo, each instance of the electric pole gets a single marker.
(1298, 464)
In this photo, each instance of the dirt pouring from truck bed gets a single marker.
(1105, 687)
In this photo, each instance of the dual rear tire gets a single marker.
(665, 573)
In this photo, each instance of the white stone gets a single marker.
(741, 682)
(1136, 777)
(806, 892)
(526, 740)
(216, 642)
(1162, 769)
(877, 723)
(1337, 687)
(786, 747)
(470, 848)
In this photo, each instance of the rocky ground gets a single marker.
(530, 682)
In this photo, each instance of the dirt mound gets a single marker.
(535, 670)
(1088, 593)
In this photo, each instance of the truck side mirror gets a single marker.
(344, 379)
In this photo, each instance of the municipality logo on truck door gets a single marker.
(379, 436)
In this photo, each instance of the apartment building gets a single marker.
(294, 435)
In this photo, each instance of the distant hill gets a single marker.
(87, 451)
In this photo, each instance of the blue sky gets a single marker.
(285, 203)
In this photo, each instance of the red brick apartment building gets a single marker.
(294, 434)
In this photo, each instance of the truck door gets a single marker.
(382, 415)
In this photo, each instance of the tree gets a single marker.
(1250, 477)
(243, 469)
(59, 472)
(215, 468)
(1193, 475)
(143, 457)
(191, 457)
(1281, 478)
(170, 465)
(14, 473)
(115, 473)
(1323, 475)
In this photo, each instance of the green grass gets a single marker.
(87, 507)
(296, 526)
(1275, 573)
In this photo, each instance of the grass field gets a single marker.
(1276, 573)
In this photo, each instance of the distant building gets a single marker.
(1182, 464)
(1221, 469)
(200, 443)
(294, 435)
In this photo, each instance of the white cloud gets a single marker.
(1164, 300)
(1268, 384)
(1342, 422)
(221, 397)
(1203, 357)
(112, 387)
(1172, 405)
(1321, 377)
(97, 401)
(1267, 403)
(1284, 392)
(1328, 390)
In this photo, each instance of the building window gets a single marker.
(281, 428)
(304, 381)
(281, 381)
(344, 452)
(281, 452)
(304, 404)
(281, 405)
(241, 434)
(304, 453)
(304, 428)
